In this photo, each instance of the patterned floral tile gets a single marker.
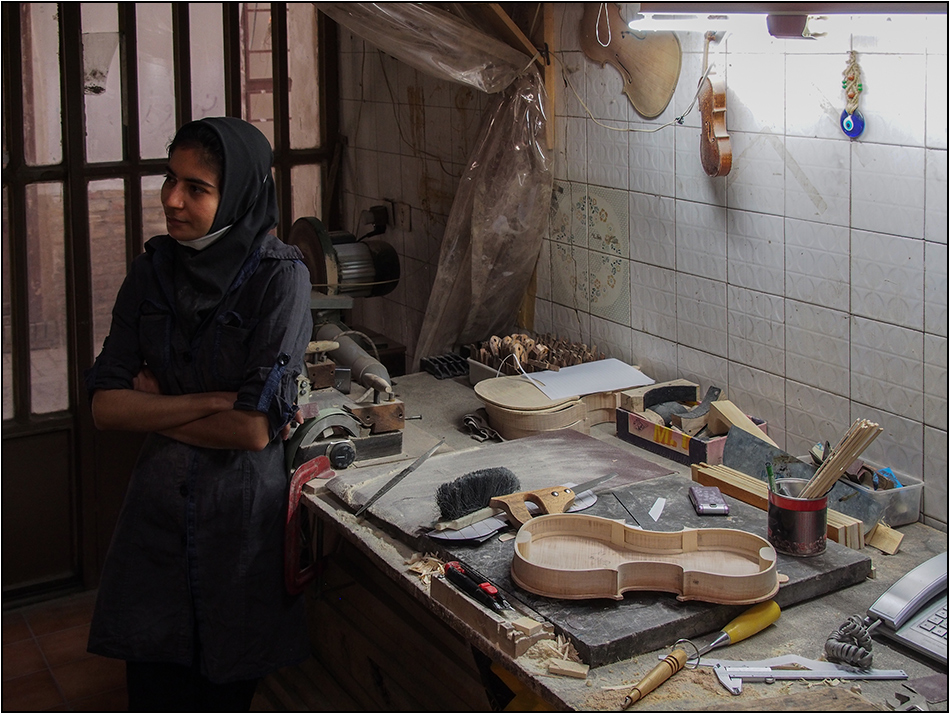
(608, 221)
(609, 287)
(559, 222)
(569, 276)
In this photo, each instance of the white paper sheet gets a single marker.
(605, 375)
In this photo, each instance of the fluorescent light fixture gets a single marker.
(701, 22)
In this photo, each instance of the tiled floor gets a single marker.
(45, 663)
(46, 668)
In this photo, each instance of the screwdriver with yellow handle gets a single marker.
(753, 620)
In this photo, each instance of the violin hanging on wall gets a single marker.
(648, 62)
(715, 147)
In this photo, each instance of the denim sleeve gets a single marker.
(276, 353)
(121, 357)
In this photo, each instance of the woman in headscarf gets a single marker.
(208, 336)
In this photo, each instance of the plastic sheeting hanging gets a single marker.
(499, 217)
(433, 41)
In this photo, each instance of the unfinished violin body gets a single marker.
(577, 556)
(715, 147)
(648, 62)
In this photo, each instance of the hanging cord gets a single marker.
(600, 14)
(851, 642)
(852, 82)
(678, 120)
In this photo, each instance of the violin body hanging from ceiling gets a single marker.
(648, 62)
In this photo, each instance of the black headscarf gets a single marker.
(248, 204)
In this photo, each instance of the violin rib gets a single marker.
(576, 556)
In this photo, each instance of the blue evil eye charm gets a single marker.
(852, 124)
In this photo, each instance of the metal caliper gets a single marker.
(731, 674)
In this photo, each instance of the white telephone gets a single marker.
(914, 610)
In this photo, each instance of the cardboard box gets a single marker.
(672, 444)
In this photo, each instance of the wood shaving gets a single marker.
(425, 566)
(545, 650)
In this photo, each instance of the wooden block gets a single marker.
(724, 414)
(568, 668)
(641, 398)
(527, 625)
(885, 539)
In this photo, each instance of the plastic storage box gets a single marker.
(901, 505)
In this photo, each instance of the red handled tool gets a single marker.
(475, 585)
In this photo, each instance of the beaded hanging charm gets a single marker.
(852, 121)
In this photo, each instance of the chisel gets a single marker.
(753, 620)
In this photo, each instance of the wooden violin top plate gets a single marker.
(516, 392)
(579, 556)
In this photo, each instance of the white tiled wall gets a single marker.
(810, 284)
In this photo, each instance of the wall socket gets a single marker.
(402, 215)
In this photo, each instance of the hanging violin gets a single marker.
(715, 147)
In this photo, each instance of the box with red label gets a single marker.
(671, 443)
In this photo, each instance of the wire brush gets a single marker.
(474, 490)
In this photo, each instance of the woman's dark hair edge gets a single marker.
(199, 135)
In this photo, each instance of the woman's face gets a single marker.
(190, 194)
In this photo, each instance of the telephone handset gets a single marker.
(914, 610)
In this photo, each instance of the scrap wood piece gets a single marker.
(496, 629)
(843, 529)
(723, 414)
(692, 421)
(568, 668)
(641, 398)
(885, 539)
(425, 566)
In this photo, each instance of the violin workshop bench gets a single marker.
(395, 643)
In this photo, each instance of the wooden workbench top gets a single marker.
(802, 628)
